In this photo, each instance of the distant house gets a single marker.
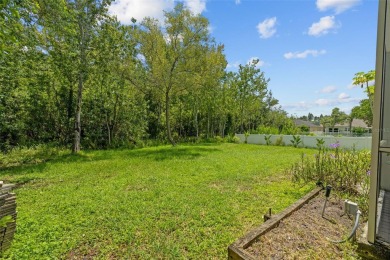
(347, 128)
(310, 125)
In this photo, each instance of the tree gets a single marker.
(325, 121)
(363, 111)
(251, 89)
(363, 79)
(72, 24)
(310, 117)
(171, 53)
(337, 117)
(115, 109)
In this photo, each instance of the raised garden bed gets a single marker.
(7, 210)
(300, 232)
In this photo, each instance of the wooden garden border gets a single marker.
(237, 250)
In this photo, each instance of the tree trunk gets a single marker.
(350, 126)
(77, 123)
(108, 125)
(70, 114)
(370, 98)
(167, 118)
(82, 71)
(208, 123)
(196, 124)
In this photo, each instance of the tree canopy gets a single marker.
(73, 75)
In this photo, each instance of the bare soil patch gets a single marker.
(306, 234)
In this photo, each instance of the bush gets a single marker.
(358, 131)
(232, 139)
(304, 129)
(269, 130)
(347, 171)
(219, 139)
(279, 141)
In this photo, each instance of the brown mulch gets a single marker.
(306, 234)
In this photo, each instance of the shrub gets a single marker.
(347, 171)
(267, 139)
(304, 129)
(232, 139)
(269, 130)
(219, 139)
(279, 141)
(358, 131)
(246, 134)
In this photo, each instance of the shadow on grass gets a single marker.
(183, 152)
(189, 152)
(39, 164)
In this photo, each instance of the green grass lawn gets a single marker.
(188, 201)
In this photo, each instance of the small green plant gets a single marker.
(320, 143)
(296, 141)
(5, 220)
(246, 134)
(279, 141)
(267, 139)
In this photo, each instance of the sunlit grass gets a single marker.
(163, 202)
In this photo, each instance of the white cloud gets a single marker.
(300, 106)
(323, 26)
(210, 28)
(139, 9)
(238, 2)
(267, 28)
(341, 99)
(304, 54)
(343, 96)
(233, 65)
(195, 6)
(259, 63)
(338, 6)
(328, 89)
(323, 102)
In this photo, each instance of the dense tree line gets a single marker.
(72, 75)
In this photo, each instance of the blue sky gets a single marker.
(310, 49)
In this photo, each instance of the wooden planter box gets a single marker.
(7, 208)
(237, 250)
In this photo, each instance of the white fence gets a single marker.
(359, 143)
